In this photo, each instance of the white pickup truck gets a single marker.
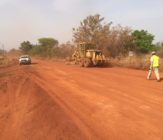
(24, 59)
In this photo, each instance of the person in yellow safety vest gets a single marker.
(154, 66)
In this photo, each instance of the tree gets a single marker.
(143, 41)
(113, 40)
(119, 41)
(46, 47)
(48, 42)
(25, 46)
(92, 30)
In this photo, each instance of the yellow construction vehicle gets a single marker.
(86, 55)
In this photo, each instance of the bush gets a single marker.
(136, 62)
(160, 52)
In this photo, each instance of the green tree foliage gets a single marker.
(25, 46)
(48, 42)
(37, 50)
(46, 47)
(143, 41)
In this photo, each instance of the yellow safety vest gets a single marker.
(155, 62)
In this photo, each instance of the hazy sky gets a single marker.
(22, 20)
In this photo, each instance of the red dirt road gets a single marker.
(54, 101)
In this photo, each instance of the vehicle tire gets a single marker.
(81, 63)
(95, 63)
(87, 62)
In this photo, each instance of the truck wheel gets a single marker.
(81, 63)
(87, 62)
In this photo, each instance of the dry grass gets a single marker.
(5, 61)
(136, 62)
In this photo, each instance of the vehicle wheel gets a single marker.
(81, 63)
(87, 62)
(95, 63)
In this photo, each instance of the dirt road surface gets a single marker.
(53, 101)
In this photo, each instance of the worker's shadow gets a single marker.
(161, 79)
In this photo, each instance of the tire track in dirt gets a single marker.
(16, 86)
(52, 92)
(33, 114)
(68, 102)
(133, 111)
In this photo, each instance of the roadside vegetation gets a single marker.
(9, 58)
(116, 42)
(3, 58)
